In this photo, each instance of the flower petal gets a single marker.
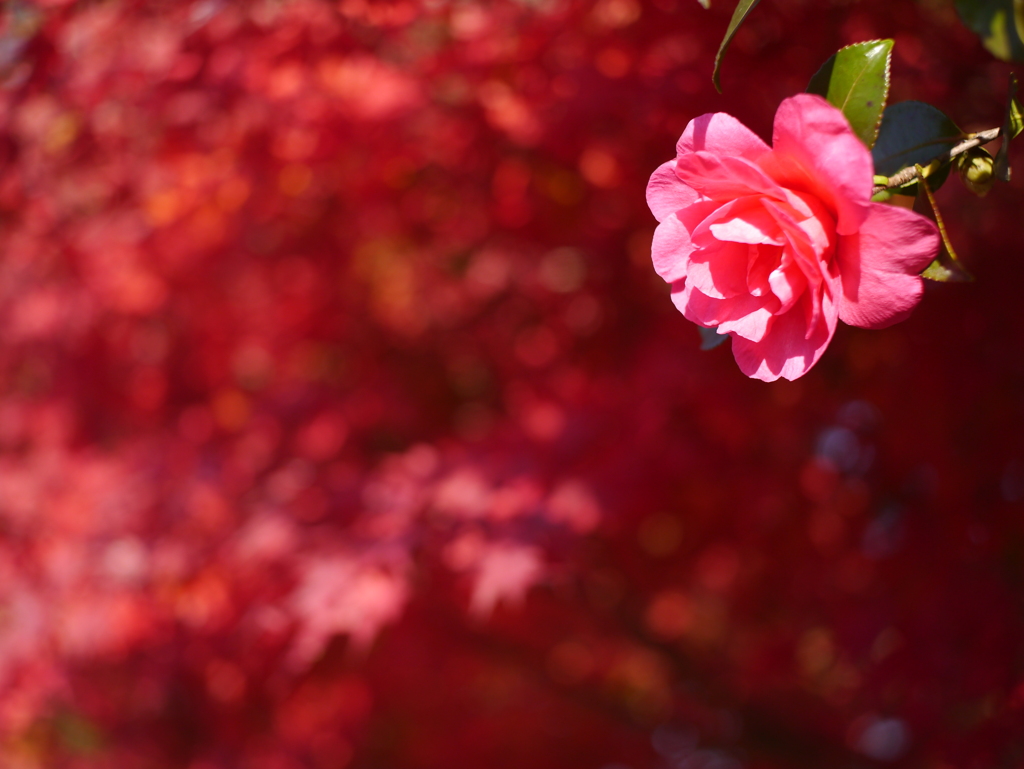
(721, 134)
(745, 221)
(786, 350)
(879, 266)
(708, 312)
(823, 302)
(671, 249)
(788, 283)
(667, 193)
(761, 262)
(752, 326)
(815, 150)
(725, 178)
(674, 239)
(720, 270)
(799, 246)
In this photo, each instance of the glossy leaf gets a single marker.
(856, 80)
(742, 10)
(913, 133)
(999, 23)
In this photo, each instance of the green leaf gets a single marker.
(710, 338)
(945, 270)
(856, 80)
(1015, 119)
(741, 12)
(999, 23)
(705, 3)
(1013, 123)
(913, 133)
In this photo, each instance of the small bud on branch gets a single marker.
(911, 173)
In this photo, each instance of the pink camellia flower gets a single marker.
(774, 245)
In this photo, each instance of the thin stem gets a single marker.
(911, 172)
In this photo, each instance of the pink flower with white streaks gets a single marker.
(775, 245)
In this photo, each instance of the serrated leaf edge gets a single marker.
(887, 80)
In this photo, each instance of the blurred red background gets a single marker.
(344, 422)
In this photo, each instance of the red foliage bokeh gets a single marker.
(344, 422)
